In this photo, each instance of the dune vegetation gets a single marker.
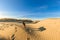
(12, 29)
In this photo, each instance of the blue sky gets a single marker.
(35, 9)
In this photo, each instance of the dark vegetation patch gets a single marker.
(42, 28)
(16, 20)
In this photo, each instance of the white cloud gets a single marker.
(58, 3)
(5, 14)
(43, 7)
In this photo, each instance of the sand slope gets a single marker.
(52, 32)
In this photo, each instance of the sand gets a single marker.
(10, 30)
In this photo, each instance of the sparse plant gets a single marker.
(30, 31)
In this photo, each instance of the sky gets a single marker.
(35, 9)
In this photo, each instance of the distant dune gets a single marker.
(13, 29)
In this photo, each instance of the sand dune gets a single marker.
(16, 31)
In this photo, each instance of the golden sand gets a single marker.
(52, 32)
